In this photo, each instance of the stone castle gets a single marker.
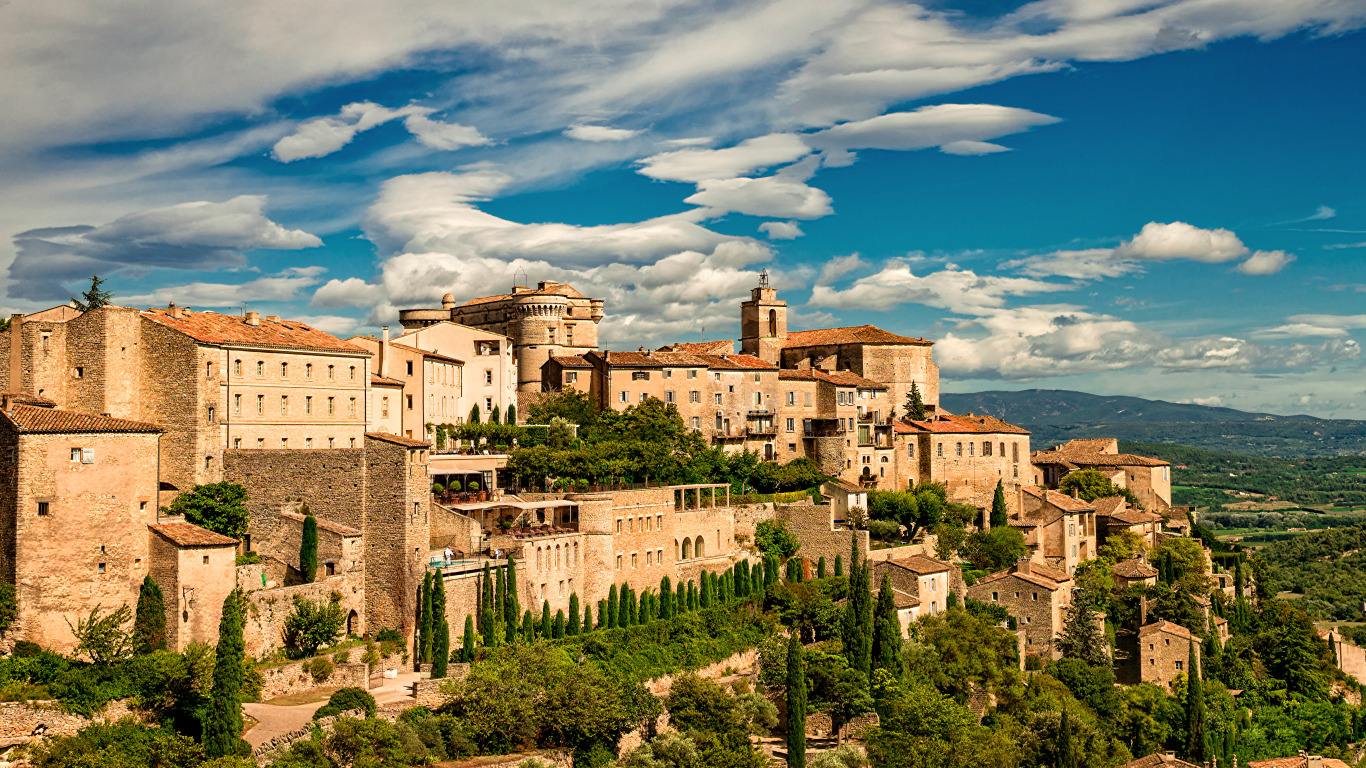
(109, 414)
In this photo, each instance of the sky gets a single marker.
(1161, 198)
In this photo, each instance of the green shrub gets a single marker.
(344, 700)
(250, 558)
(342, 657)
(319, 667)
(884, 530)
(389, 634)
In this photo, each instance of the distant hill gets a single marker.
(1058, 415)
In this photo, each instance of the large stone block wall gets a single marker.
(292, 678)
(18, 719)
(332, 483)
(810, 523)
(1037, 610)
(397, 532)
(91, 549)
(268, 609)
(176, 398)
(971, 477)
(278, 535)
(1159, 654)
(194, 583)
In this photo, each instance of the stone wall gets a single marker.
(1037, 610)
(19, 720)
(810, 523)
(819, 725)
(397, 532)
(747, 518)
(269, 752)
(1163, 655)
(267, 610)
(251, 577)
(292, 678)
(427, 693)
(332, 483)
(557, 758)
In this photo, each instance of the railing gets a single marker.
(585, 488)
(760, 430)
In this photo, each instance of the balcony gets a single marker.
(761, 430)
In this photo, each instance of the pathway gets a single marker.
(275, 721)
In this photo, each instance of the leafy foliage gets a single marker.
(103, 637)
(149, 626)
(94, 297)
(9, 605)
(345, 700)
(312, 625)
(773, 538)
(308, 549)
(994, 549)
(219, 507)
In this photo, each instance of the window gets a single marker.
(331, 442)
(353, 373)
(384, 408)
(237, 442)
(284, 369)
(488, 404)
(331, 372)
(668, 374)
(694, 396)
(731, 389)
(46, 337)
(643, 396)
(351, 408)
(237, 367)
(260, 442)
(618, 562)
(284, 442)
(410, 367)
(101, 570)
(960, 449)
(260, 367)
(79, 372)
(488, 378)
(718, 398)
(692, 374)
(211, 414)
(353, 442)
(260, 405)
(284, 405)
(331, 405)
(716, 375)
(791, 425)
(640, 375)
(669, 396)
(1178, 664)
(624, 397)
(308, 370)
(758, 398)
(44, 508)
(939, 450)
(308, 405)
(618, 525)
(633, 560)
(75, 454)
(696, 422)
(986, 449)
(571, 376)
(791, 398)
(649, 558)
(995, 597)
(971, 448)
(237, 405)
(910, 449)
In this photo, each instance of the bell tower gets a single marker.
(763, 323)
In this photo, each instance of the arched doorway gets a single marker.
(352, 623)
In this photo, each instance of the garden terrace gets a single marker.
(524, 519)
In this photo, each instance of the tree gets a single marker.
(223, 725)
(308, 549)
(467, 642)
(948, 538)
(425, 625)
(839, 566)
(820, 567)
(915, 406)
(511, 605)
(772, 537)
(1080, 637)
(219, 507)
(587, 625)
(1067, 751)
(312, 625)
(441, 643)
(796, 704)
(857, 630)
(1092, 484)
(666, 598)
(9, 605)
(613, 607)
(922, 728)
(94, 298)
(495, 417)
(887, 630)
(547, 628)
(1197, 746)
(999, 515)
(123, 744)
(572, 628)
(102, 637)
(511, 413)
(149, 625)
(995, 549)
(474, 414)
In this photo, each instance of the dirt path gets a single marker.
(275, 721)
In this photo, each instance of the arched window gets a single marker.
(538, 559)
(687, 549)
(698, 548)
(773, 322)
(676, 549)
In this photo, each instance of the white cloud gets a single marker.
(1323, 212)
(582, 132)
(1179, 240)
(697, 165)
(196, 235)
(961, 291)
(1087, 264)
(324, 135)
(351, 292)
(1265, 263)
(781, 230)
(972, 148)
(775, 196)
(1213, 400)
(278, 288)
(961, 128)
(839, 266)
(1314, 325)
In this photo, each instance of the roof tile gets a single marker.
(184, 534)
(33, 419)
(213, 328)
(854, 334)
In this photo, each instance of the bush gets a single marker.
(773, 538)
(345, 700)
(320, 668)
(342, 657)
(9, 605)
(389, 634)
(250, 558)
(884, 530)
(313, 625)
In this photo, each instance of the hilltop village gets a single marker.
(397, 457)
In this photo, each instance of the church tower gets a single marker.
(763, 323)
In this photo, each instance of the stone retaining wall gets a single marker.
(272, 750)
(556, 758)
(267, 609)
(819, 726)
(28, 721)
(288, 679)
(428, 692)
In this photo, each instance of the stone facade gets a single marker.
(20, 720)
(926, 579)
(196, 570)
(814, 526)
(1164, 651)
(1149, 479)
(292, 678)
(1059, 529)
(1038, 598)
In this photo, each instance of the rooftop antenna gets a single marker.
(763, 278)
(523, 283)
(244, 309)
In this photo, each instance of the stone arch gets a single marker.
(699, 549)
(687, 549)
(352, 623)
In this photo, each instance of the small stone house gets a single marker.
(1036, 595)
(1059, 529)
(844, 496)
(196, 569)
(926, 579)
(1113, 515)
(1133, 571)
(1164, 651)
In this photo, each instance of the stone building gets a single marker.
(77, 492)
(1133, 571)
(1036, 595)
(195, 569)
(928, 580)
(970, 454)
(490, 366)
(1113, 515)
(550, 319)
(430, 387)
(1149, 479)
(1164, 651)
(1060, 530)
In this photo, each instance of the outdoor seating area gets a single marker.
(523, 519)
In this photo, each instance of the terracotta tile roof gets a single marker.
(1084, 453)
(943, 424)
(1032, 578)
(920, 564)
(854, 334)
(406, 442)
(184, 534)
(644, 359)
(1296, 762)
(1049, 572)
(732, 362)
(571, 361)
(1168, 627)
(34, 419)
(24, 398)
(1133, 568)
(326, 525)
(1135, 517)
(384, 381)
(904, 599)
(554, 290)
(838, 378)
(720, 347)
(213, 328)
(1060, 500)
(845, 485)
(1110, 505)
(991, 424)
(1159, 760)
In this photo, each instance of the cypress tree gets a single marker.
(587, 619)
(756, 579)
(511, 606)
(703, 601)
(1197, 747)
(613, 608)
(149, 627)
(223, 725)
(666, 595)
(839, 566)
(490, 628)
(500, 596)
(858, 618)
(494, 415)
(628, 606)
(417, 619)
(682, 600)
(441, 640)
(796, 704)
(546, 628)
(1067, 752)
(887, 630)
(999, 515)
(467, 643)
(791, 571)
(424, 653)
(770, 570)
(528, 627)
(602, 614)
(559, 625)
(511, 413)
(308, 550)
(474, 414)
(742, 578)
(820, 567)
(1238, 577)
(573, 627)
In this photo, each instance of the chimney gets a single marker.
(1313, 761)
(384, 353)
(1168, 757)
(174, 311)
(1024, 566)
(253, 319)
(273, 318)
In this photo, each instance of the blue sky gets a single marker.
(1161, 198)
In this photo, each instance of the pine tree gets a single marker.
(149, 627)
(796, 704)
(820, 567)
(573, 627)
(308, 550)
(1067, 751)
(94, 298)
(887, 630)
(915, 406)
(1080, 637)
(467, 643)
(587, 619)
(546, 629)
(839, 566)
(858, 618)
(223, 725)
(999, 515)
(613, 608)
(1197, 748)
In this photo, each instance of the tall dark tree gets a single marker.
(500, 596)
(557, 630)
(511, 414)
(820, 567)
(474, 414)
(511, 604)
(1067, 748)
(839, 566)
(495, 416)
(428, 623)
(858, 617)
(796, 704)
(441, 641)
(467, 642)
(602, 614)
(490, 631)
(613, 607)
(149, 625)
(587, 625)
(999, 515)
(94, 298)
(308, 549)
(1081, 638)
(1197, 744)
(546, 627)
(915, 406)
(682, 600)
(887, 630)
(223, 725)
(572, 628)
(528, 627)
(666, 598)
